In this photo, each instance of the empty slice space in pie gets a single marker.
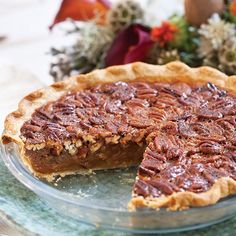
(175, 123)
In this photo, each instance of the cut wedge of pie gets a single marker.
(177, 123)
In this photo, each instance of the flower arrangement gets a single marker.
(119, 34)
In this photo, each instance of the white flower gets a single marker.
(205, 47)
(217, 31)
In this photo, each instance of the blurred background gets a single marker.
(25, 36)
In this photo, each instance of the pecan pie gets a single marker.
(177, 123)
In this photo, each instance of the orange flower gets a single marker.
(164, 34)
(232, 8)
(82, 10)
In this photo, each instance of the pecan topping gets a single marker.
(209, 114)
(189, 131)
(210, 147)
(185, 130)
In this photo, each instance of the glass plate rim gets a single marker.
(33, 183)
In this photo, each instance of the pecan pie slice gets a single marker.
(178, 122)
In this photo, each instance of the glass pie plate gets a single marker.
(101, 199)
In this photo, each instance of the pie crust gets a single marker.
(172, 72)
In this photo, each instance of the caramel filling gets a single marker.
(108, 157)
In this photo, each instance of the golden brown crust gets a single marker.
(172, 72)
(183, 200)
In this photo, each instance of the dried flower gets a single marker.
(124, 13)
(211, 60)
(166, 56)
(217, 31)
(227, 57)
(87, 53)
(164, 33)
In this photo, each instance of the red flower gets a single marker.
(233, 8)
(164, 34)
(131, 44)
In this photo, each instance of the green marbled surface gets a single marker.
(27, 213)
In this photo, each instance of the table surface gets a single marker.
(24, 65)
